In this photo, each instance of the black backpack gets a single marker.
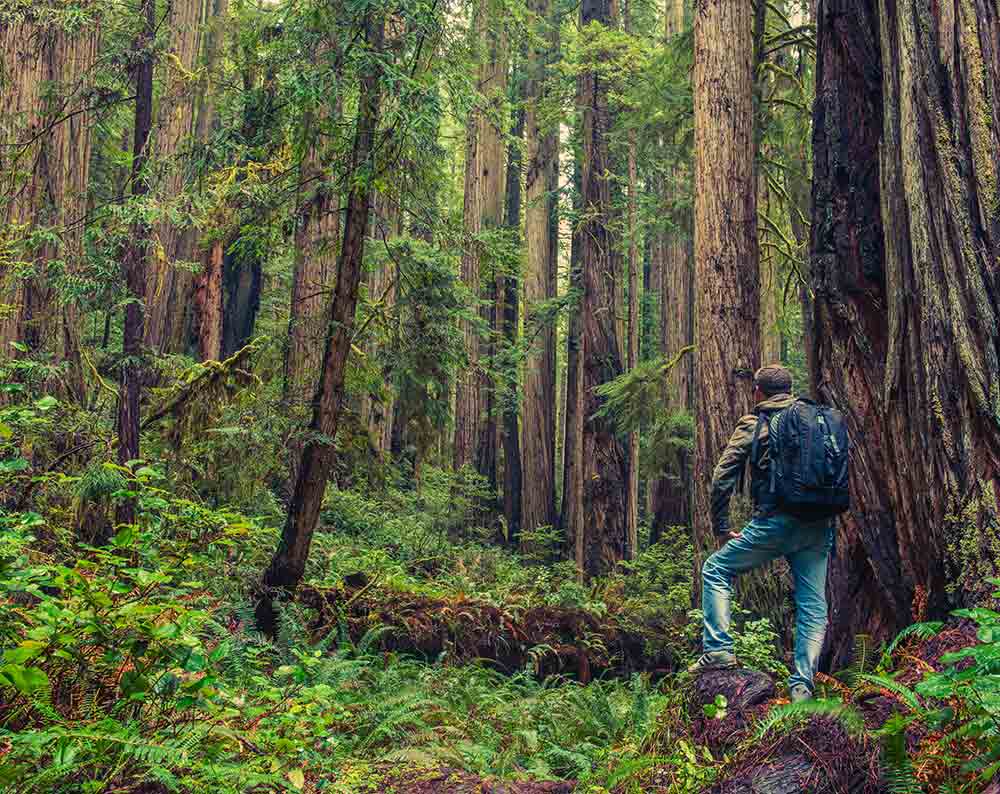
(809, 452)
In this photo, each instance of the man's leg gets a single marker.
(760, 542)
(809, 566)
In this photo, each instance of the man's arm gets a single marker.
(728, 471)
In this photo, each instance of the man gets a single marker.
(770, 534)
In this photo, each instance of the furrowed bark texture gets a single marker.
(207, 319)
(316, 246)
(541, 182)
(44, 159)
(169, 288)
(476, 428)
(605, 462)
(905, 244)
(727, 325)
(288, 565)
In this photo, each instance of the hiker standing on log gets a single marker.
(797, 453)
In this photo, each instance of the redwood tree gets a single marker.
(604, 459)
(541, 182)
(905, 245)
(727, 281)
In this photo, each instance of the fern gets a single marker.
(788, 717)
(902, 691)
(923, 631)
(897, 768)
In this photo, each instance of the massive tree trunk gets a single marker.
(727, 326)
(289, 562)
(44, 162)
(168, 290)
(905, 241)
(134, 260)
(476, 428)
(605, 463)
(632, 348)
(541, 182)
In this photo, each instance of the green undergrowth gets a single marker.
(130, 661)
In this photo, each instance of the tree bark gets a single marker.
(476, 428)
(605, 463)
(727, 325)
(571, 517)
(513, 488)
(167, 294)
(905, 239)
(632, 352)
(288, 565)
(316, 243)
(208, 283)
(45, 149)
(134, 260)
(541, 183)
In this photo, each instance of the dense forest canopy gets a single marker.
(364, 365)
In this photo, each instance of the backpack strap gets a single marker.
(761, 419)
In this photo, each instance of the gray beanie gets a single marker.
(773, 379)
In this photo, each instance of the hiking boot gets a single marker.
(713, 660)
(800, 693)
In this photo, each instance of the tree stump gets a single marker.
(746, 693)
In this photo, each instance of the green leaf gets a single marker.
(25, 680)
(297, 778)
(24, 652)
(46, 403)
(5, 431)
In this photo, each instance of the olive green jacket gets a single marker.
(729, 470)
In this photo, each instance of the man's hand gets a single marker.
(734, 535)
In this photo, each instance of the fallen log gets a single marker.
(548, 640)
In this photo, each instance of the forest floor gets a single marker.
(420, 657)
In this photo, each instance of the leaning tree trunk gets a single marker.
(727, 280)
(905, 244)
(541, 181)
(605, 463)
(289, 562)
(134, 260)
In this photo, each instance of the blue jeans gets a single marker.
(806, 546)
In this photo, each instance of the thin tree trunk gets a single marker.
(288, 565)
(727, 332)
(541, 181)
(134, 261)
(905, 240)
(674, 267)
(512, 464)
(571, 519)
(632, 358)
(605, 463)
